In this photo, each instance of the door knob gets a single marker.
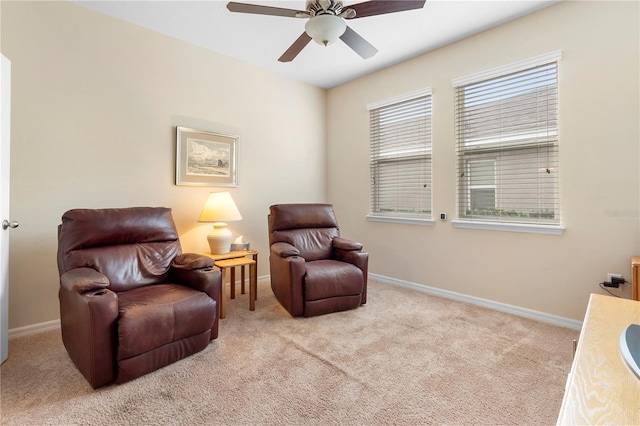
(6, 224)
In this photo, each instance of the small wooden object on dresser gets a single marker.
(601, 388)
(635, 278)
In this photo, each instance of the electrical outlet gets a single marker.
(610, 275)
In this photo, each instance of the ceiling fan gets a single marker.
(327, 21)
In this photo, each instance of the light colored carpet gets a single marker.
(404, 358)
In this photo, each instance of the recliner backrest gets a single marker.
(310, 228)
(133, 246)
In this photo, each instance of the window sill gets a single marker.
(404, 220)
(509, 227)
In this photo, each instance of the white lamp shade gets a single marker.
(219, 208)
(325, 29)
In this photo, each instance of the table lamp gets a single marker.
(219, 209)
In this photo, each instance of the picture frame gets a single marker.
(206, 158)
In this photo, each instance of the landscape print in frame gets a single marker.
(206, 158)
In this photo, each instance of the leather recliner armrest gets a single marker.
(192, 261)
(198, 272)
(88, 316)
(287, 269)
(351, 252)
(357, 258)
(83, 280)
(205, 280)
(281, 249)
(344, 244)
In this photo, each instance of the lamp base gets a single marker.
(219, 239)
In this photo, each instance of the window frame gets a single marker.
(405, 218)
(496, 222)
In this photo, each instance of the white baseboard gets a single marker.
(498, 306)
(34, 328)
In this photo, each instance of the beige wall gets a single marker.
(95, 102)
(599, 113)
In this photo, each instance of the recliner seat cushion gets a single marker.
(156, 315)
(332, 278)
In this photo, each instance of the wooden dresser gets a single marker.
(601, 388)
(635, 278)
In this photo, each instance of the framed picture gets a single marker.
(205, 158)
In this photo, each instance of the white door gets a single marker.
(5, 121)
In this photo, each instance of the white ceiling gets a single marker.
(261, 39)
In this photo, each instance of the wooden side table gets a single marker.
(228, 262)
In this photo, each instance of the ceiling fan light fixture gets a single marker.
(325, 29)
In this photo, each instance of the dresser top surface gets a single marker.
(601, 388)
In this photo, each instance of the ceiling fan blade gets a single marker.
(295, 48)
(262, 10)
(361, 46)
(380, 7)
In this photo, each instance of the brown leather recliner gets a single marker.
(313, 270)
(130, 301)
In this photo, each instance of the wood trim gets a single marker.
(635, 278)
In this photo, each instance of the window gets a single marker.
(400, 165)
(481, 175)
(507, 144)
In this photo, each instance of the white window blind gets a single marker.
(400, 166)
(507, 145)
